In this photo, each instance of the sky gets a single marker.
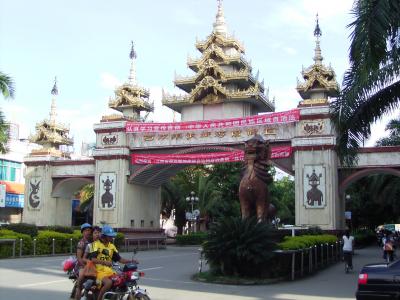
(86, 44)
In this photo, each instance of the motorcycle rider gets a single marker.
(86, 230)
(104, 253)
(96, 232)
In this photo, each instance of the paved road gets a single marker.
(168, 277)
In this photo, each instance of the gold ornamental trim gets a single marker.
(226, 59)
(221, 40)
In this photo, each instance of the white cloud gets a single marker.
(161, 113)
(286, 97)
(109, 81)
(289, 50)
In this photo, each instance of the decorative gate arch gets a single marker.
(224, 105)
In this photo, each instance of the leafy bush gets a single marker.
(239, 247)
(29, 229)
(119, 240)
(6, 249)
(194, 238)
(306, 241)
(364, 237)
(62, 242)
(62, 229)
(312, 231)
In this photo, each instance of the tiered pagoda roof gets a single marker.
(131, 99)
(222, 74)
(319, 80)
(50, 133)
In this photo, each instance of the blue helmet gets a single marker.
(108, 231)
(85, 225)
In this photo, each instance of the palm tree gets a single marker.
(7, 90)
(6, 86)
(394, 136)
(371, 86)
(87, 201)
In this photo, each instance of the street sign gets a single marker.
(188, 216)
(196, 213)
(2, 195)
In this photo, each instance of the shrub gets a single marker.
(62, 242)
(29, 229)
(306, 241)
(364, 237)
(239, 247)
(62, 229)
(312, 231)
(195, 238)
(6, 249)
(119, 240)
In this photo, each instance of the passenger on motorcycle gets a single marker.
(86, 230)
(104, 253)
(96, 232)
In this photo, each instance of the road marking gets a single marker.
(148, 269)
(41, 283)
(167, 256)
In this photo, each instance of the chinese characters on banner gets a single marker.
(267, 119)
(203, 158)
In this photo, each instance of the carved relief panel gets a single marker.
(314, 186)
(312, 127)
(107, 184)
(35, 193)
(109, 139)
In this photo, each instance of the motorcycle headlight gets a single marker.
(135, 275)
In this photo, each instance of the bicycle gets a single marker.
(347, 259)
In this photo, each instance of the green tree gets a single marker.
(227, 179)
(282, 196)
(374, 200)
(6, 85)
(394, 134)
(86, 195)
(7, 90)
(371, 86)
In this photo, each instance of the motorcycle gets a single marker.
(124, 285)
(69, 267)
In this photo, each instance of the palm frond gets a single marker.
(6, 85)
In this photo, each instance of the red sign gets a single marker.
(202, 158)
(267, 119)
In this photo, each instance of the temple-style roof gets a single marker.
(131, 99)
(50, 133)
(222, 74)
(319, 80)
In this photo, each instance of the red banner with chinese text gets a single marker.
(202, 158)
(266, 119)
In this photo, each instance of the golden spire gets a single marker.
(319, 80)
(49, 133)
(54, 92)
(220, 25)
(317, 33)
(131, 99)
(132, 73)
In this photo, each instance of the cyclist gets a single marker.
(348, 244)
(104, 253)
